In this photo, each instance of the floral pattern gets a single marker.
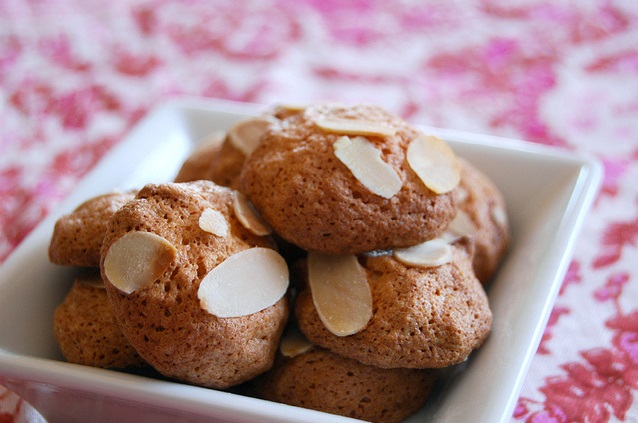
(75, 76)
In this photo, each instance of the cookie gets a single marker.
(196, 165)
(221, 156)
(77, 236)
(86, 329)
(215, 160)
(422, 317)
(313, 200)
(164, 318)
(323, 381)
(482, 216)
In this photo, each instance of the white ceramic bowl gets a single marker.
(548, 192)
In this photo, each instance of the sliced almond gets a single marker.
(137, 259)
(293, 107)
(363, 159)
(245, 135)
(354, 127)
(462, 195)
(340, 292)
(293, 343)
(214, 138)
(94, 281)
(432, 253)
(462, 225)
(499, 215)
(214, 222)
(248, 216)
(434, 162)
(244, 283)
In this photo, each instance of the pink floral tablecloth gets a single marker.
(75, 76)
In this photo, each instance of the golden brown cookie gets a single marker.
(312, 199)
(196, 165)
(77, 236)
(220, 157)
(164, 318)
(482, 216)
(215, 160)
(422, 317)
(321, 380)
(86, 329)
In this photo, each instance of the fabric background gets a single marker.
(75, 76)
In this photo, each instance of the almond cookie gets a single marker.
(196, 165)
(321, 380)
(160, 252)
(77, 236)
(421, 317)
(221, 156)
(86, 329)
(308, 181)
(215, 160)
(482, 216)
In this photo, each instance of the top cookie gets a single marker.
(312, 199)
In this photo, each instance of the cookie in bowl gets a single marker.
(421, 307)
(482, 216)
(198, 294)
(321, 380)
(220, 156)
(349, 179)
(77, 236)
(86, 330)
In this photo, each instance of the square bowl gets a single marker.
(548, 193)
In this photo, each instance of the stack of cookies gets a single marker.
(366, 240)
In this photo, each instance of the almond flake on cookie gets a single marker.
(364, 160)
(245, 135)
(435, 163)
(248, 216)
(461, 195)
(94, 281)
(214, 222)
(245, 283)
(293, 343)
(340, 292)
(137, 259)
(293, 107)
(433, 253)
(499, 215)
(461, 225)
(354, 127)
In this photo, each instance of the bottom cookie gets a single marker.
(86, 329)
(321, 380)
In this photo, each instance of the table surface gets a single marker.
(75, 76)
